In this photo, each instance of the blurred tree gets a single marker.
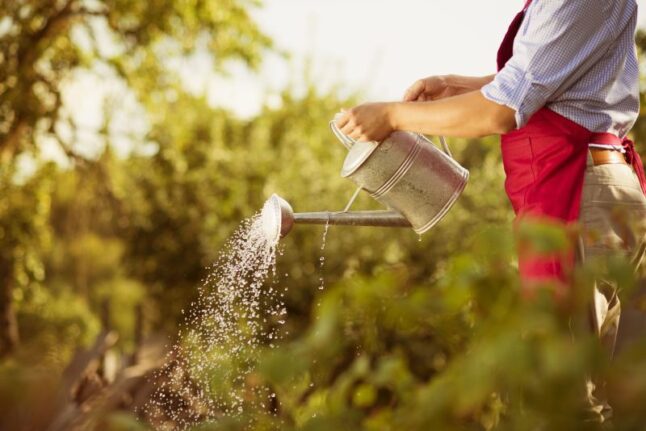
(25, 234)
(42, 42)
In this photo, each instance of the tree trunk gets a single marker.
(139, 334)
(11, 142)
(8, 322)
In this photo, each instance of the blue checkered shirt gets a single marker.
(578, 58)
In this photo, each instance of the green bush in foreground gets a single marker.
(463, 353)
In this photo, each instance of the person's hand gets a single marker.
(367, 122)
(431, 88)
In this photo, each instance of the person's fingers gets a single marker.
(356, 135)
(414, 91)
(343, 120)
(348, 127)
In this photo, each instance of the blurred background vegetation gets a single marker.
(101, 251)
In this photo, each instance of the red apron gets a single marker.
(545, 163)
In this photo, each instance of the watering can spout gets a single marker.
(278, 218)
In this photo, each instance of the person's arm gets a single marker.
(443, 86)
(467, 115)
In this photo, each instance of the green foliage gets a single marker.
(54, 325)
(466, 353)
(44, 42)
(24, 223)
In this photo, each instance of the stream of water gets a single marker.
(239, 310)
(235, 314)
(322, 258)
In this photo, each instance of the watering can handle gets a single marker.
(445, 147)
(347, 141)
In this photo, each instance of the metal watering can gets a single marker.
(407, 173)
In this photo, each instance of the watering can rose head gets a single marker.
(277, 218)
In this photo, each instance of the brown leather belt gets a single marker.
(605, 157)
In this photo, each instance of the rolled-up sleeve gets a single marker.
(558, 41)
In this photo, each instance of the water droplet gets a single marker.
(322, 258)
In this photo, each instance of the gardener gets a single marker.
(564, 98)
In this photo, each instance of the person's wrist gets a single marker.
(394, 117)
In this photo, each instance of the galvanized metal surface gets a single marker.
(406, 173)
(278, 218)
(353, 218)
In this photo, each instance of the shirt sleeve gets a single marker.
(558, 41)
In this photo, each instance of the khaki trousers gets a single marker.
(613, 218)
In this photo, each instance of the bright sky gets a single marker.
(379, 46)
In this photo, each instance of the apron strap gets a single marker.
(636, 161)
(506, 49)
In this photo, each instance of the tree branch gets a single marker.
(27, 53)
